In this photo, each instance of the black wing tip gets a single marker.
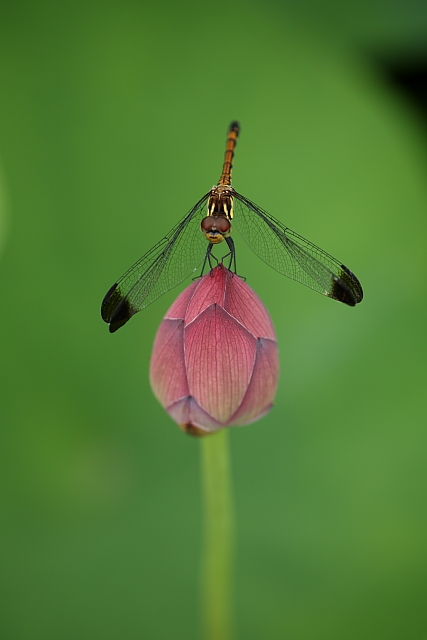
(109, 304)
(347, 288)
(122, 314)
(342, 293)
(116, 310)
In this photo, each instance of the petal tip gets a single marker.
(193, 430)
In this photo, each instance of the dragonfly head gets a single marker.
(216, 228)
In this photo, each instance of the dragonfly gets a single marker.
(189, 245)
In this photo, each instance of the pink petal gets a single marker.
(188, 414)
(245, 305)
(262, 388)
(167, 369)
(179, 307)
(210, 290)
(219, 357)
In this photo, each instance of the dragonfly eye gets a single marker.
(207, 223)
(223, 225)
(216, 223)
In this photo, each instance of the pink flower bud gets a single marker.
(215, 359)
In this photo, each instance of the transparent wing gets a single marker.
(165, 266)
(292, 255)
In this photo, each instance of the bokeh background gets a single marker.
(113, 118)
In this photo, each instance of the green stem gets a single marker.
(218, 544)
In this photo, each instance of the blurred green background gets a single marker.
(113, 119)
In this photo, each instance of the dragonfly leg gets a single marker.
(232, 255)
(208, 259)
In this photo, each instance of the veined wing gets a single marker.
(294, 256)
(162, 268)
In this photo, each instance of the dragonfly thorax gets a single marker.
(221, 201)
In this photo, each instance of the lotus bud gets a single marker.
(215, 358)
